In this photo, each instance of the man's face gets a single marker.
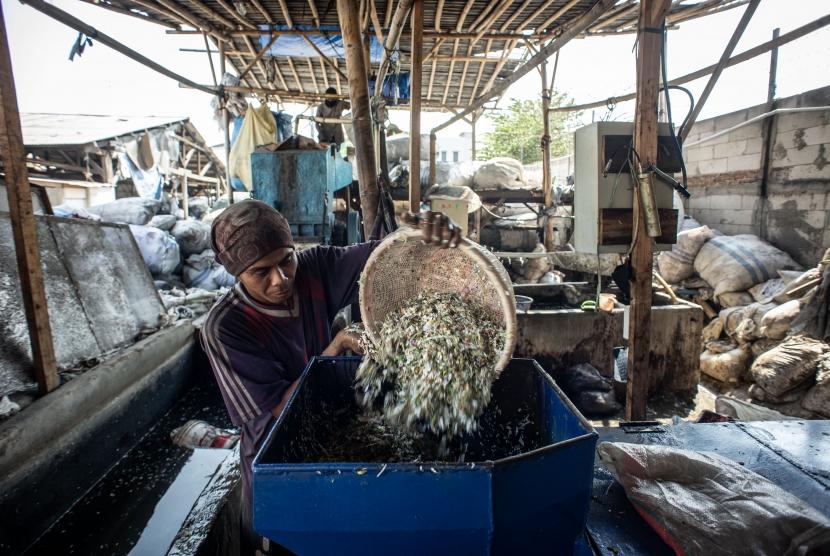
(270, 280)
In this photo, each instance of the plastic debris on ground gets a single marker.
(434, 365)
(199, 434)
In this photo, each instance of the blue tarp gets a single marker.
(330, 43)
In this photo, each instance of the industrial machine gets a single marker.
(603, 194)
(310, 187)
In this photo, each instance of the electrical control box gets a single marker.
(604, 188)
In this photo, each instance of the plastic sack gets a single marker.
(766, 291)
(129, 210)
(462, 174)
(679, 263)
(158, 249)
(193, 236)
(817, 399)
(788, 365)
(735, 299)
(701, 503)
(745, 411)
(501, 172)
(202, 271)
(258, 128)
(736, 263)
(776, 322)
(163, 222)
(712, 331)
(65, 211)
(727, 364)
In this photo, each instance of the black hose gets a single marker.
(666, 88)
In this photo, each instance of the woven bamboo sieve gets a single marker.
(403, 266)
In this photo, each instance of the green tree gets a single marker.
(517, 131)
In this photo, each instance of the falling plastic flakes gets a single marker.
(434, 365)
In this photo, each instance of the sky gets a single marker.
(103, 81)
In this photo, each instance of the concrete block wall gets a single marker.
(726, 174)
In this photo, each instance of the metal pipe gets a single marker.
(755, 119)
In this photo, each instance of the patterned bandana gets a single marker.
(247, 231)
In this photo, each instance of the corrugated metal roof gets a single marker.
(44, 129)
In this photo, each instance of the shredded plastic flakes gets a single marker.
(434, 365)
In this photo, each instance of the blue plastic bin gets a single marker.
(522, 492)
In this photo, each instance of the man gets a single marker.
(331, 108)
(262, 333)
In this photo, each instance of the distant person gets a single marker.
(331, 108)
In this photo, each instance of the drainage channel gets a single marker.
(140, 504)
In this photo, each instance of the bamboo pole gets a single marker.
(417, 26)
(361, 114)
(392, 38)
(226, 122)
(762, 48)
(724, 59)
(23, 225)
(652, 16)
(579, 24)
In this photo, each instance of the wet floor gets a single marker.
(138, 507)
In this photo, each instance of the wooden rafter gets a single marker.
(480, 71)
(506, 25)
(323, 57)
(325, 74)
(235, 14)
(536, 13)
(296, 75)
(387, 15)
(190, 19)
(439, 11)
(258, 55)
(211, 13)
(261, 9)
(559, 13)
(119, 8)
(314, 15)
(313, 77)
(286, 14)
(336, 74)
(376, 27)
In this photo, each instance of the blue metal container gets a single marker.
(524, 489)
(301, 185)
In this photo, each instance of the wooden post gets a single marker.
(361, 113)
(767, 134)
(722, 63)
(649, 43)
(417, 26)
(185, 196)
(23, 224)
(433, 146)
(226, 125)
(106, 166)
(545, 144)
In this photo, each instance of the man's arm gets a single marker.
(277, 411)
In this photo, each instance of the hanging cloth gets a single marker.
(258, 128)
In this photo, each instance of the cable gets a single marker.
(665, 68)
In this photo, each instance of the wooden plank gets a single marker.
(724, 59)
(649, 44)
(433, 146)
(616, 225)
(23, 224)
(768, 132)
(185, 197)
(417, 26)
(361, 113)
(312, 4)
(753, 52)
(226, 126)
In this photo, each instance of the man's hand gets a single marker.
(345, 340)
(436, 227)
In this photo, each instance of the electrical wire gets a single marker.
(664, 66)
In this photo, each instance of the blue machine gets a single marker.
(301, 185)
(524, 488)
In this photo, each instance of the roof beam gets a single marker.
(210, 13)
(392, 37)
(721, 65)
(258, 56)
(286, 14)
(579, 25)
(313, 77)
(80, 26)
(314, 14)
(325, 58)
(762, 48)
(559, 13)
(258, 5)
(118, 8)
(236, 15)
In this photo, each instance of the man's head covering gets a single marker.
(331, 102)
(247, 231)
